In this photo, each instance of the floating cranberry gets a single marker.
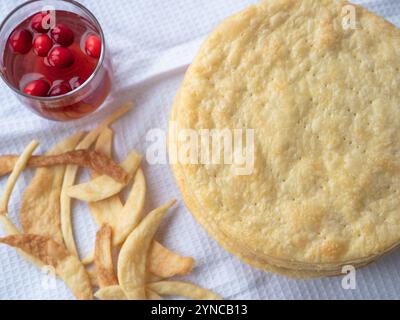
(93, 46)
(60, 57)
(42, 45)
(21, 41)
(37, 88)
(60, 89)
(62, 34)
(38, 24)
(76, 82)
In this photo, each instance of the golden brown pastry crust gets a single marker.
(324, 105)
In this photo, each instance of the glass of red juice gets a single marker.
(53, 56)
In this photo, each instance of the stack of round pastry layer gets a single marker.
(318, 81)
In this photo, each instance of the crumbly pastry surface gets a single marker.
(324, 104)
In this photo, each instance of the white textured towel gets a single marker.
(152, 42)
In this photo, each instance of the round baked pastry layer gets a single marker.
(323, 100)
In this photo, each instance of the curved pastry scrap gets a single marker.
(70, 176)
(106, 276)
(133, 256)
(183, 289)
(105, 211)
(90, 159)
(67, 266)
(166, 263)
(40, 208)
(122, 218)
(116, 293)
(104, 187)
(111, 293)
(20, 165)
(10, 229)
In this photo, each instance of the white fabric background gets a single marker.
(152, 43)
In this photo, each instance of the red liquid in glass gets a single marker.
(21, 69)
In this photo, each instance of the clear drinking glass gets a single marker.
(91, 92)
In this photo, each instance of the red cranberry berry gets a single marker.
(62, 34)
(37, 88)
(60, 89)
(21, 41)
(60, 57)
(38, 23)
(76, 82)
(93, 46)
(42, 45)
